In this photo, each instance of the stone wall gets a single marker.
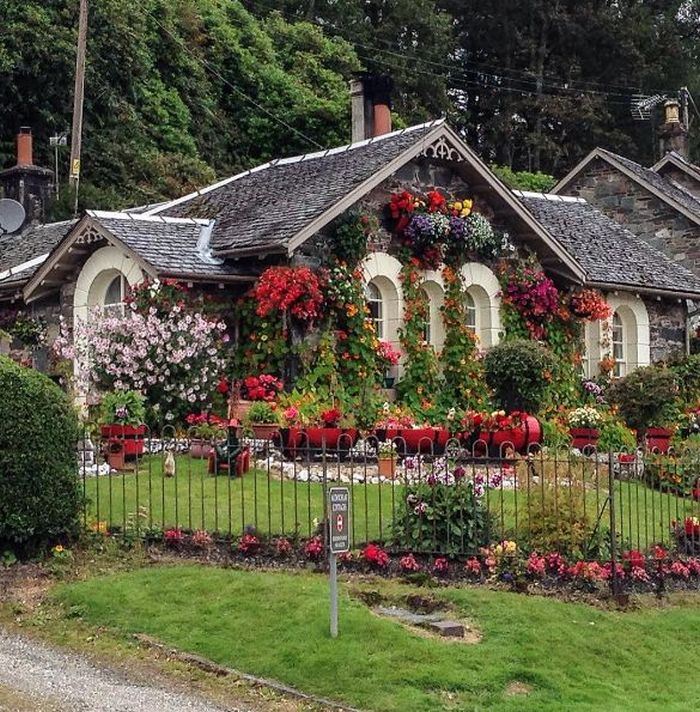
(682, 178)
(639, 211)
(667, 327)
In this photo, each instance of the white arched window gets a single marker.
(482, 301)
(115, 295)
(619, 345)
(375, 303)
(470, 309)
(434, 331)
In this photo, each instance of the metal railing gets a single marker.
(427, 496)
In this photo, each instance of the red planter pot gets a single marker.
(520, 439)
(414, 441)
(658, 439)
(584, 439)
(334, 438)
(131, 437)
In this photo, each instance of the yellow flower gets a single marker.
(457, 205)
(58, 549)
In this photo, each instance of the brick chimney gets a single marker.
(673, 135)
(371, 106)
(26, 183)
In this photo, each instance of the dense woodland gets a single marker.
(179, 92)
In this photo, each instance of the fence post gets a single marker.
(614, 581)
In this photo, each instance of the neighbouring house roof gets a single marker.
(609, 253)
(668, 191)
(20, 255)
(675, 159)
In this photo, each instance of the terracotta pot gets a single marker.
(131, 436)
(264, 431)
(584, 439)
(658, 439)
(387, 466)
(200, 449)
(240, 409)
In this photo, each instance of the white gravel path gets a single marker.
(37, 678)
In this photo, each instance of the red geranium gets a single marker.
(296, 290)
(436, 202)
(590, 304)
(261, 388)
(330, 417)
(375, 556)
(314, 548)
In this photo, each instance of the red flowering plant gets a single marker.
(205, 425)
(497, 421)
(687, 535)
(534, 296)
(261, 388)
(173, 537)
(408, 564)
(441, 566)
(375, 556)
(313, 549)
(248, 544)
(388, 355)
(296, 291)
(331, 418)
(589, 304)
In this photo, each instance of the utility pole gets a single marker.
(76, 135)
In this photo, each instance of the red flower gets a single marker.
(314, 548)
(409, 564)
(375, 556)
(635, 559)
(223, 386)
(331, 417)
(441, 566)
(248, 544)
(436, 202)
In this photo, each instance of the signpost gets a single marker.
(338, 542)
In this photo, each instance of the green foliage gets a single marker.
(646, 397)
(261, 344)
(524, 180)
(420, 381)
(39, 489)
(519, 372)
(678, 473)
(442, 518)
(615, 436)
(127, 407)
(687, 373)
(349, 238)
(555, 435)
(261, 412)
(562, 522)
(164, 106)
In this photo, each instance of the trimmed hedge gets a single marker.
(39, 487)
(519, 373)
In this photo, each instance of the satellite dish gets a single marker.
(11, 216)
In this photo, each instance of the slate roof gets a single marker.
(608, 252)
(264, 208)
(675, 159)
(173, 246)
(667, 187)
(16, 250)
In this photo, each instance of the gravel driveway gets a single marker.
(38, 678)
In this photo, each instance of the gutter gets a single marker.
(669, 294)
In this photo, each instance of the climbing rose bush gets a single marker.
(172, 356)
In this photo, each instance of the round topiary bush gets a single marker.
(519, 373)
(645, 398)
(39, 487)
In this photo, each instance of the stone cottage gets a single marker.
(222, 236)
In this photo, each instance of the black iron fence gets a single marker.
(434, 497)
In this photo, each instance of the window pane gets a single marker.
(376, 308)
(470, 307)
(114, 294)
(618, 345)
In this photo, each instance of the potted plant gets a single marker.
(262, 419)
(388, 359)
(206, 429)
(386, 459)
(251, 389)
(498, 432)
(647, 401)
(329, 431)
(122, 414)
(584, 428)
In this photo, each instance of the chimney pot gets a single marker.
(672, 112)
(25, 155)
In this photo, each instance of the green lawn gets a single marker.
(275, 625)
(195, 500)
